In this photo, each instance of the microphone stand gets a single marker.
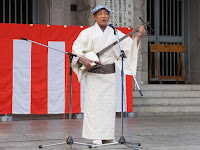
(122, 139)
(69, 140)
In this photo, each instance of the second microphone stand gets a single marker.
(69, 140)
(122, 139)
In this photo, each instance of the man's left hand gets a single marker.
(141, 31)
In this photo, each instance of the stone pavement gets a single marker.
(154, 133)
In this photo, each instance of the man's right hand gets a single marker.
(85, 63)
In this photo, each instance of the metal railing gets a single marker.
(18, 11)
(167, 18)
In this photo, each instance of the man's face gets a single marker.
(102, 18)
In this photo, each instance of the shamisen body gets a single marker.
(100, 90)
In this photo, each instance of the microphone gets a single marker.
(113, 28)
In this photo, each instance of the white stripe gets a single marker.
(21, 103)
(82, 94)
(56, 78)
(119, 91)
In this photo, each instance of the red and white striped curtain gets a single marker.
(35, 79)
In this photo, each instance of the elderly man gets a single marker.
(100, 90)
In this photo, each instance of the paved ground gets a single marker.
(154, 133)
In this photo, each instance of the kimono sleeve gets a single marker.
(79, 45)
(131, 49)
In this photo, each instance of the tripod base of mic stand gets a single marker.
(42, 146)
(122, 140)
(69, 140)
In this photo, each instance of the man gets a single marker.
(100, 90)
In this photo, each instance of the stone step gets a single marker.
(166, 110)
(169, 87)
(144, 101)
(167, 99)
(171, 93)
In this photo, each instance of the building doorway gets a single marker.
(169, 19)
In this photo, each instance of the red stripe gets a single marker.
(76, 99)
(66, 83)
(125, 30)
(39, 69)
(72, 32)
(6, 77)
(39, 59)
(129, 79)
(129, 93)
(14, 31)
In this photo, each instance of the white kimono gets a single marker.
(100, 90)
